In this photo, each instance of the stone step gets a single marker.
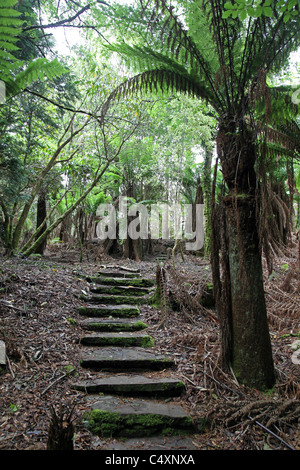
(122, 274)
(124, 339)
(113, 324)
(138, 282)
(114, 299)
(121, 359)
(119, 290)
(109, 311)
(112, 416)
(166, 444)
(133, 385)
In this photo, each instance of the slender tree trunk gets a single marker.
(59, 220)
(207, 201)
(40, 217)
(243, 316)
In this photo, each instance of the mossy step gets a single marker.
(133, 385)
(116, 417)
(124, 339)
(109, 310)
(114, 299)
(121, 359)
(113, 324)
(121, 274)
(119, 290)
(139, 282)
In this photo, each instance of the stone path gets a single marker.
(132, 394)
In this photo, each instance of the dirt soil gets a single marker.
(40, 326)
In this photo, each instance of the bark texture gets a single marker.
(237, 267)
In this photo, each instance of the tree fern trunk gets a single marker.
(207, 201)
(251, 356)
(243, 315)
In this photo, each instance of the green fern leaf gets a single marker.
(10, 32)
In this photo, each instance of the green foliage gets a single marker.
(15, 73)
(197, 51)
(257, 8)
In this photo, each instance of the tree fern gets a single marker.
(14, 73)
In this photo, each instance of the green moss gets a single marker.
(104, 312)
(137, 326)
(269, 392)
(112, 424)
(115, 299)
(143, 342)
(121, 281)
(121, 290)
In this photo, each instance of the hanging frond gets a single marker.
(158, 80)
(10, 28)
(230, 57)
(15, 74)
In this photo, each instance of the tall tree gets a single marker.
(225, 61)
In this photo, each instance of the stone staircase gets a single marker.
(131, 394)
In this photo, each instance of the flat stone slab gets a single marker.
(138, 282)
(107, 299)
(109, 310)
(166, 443)
(132, 384)
(113, 416)
(119, 290)
(122, 274)
(124, 339)
(120, 359)
(113, 324)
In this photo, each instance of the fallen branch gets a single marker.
(272, 433)
(56, 381)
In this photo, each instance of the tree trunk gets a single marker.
(40, 217)
(251, 356)
(242, 308)
(207, 201)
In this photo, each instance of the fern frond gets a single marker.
(163, 80)
(10, 32)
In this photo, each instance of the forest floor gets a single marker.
(40, 326)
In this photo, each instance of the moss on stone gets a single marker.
(115, 299)
(97, 326)
(104, 312)
(112, 424)
(120, 290)
(122, 341)
(121, 281)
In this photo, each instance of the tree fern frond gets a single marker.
(36, 70)
(176, 40)
(11, 72)
(163, 80)
(9, 31)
